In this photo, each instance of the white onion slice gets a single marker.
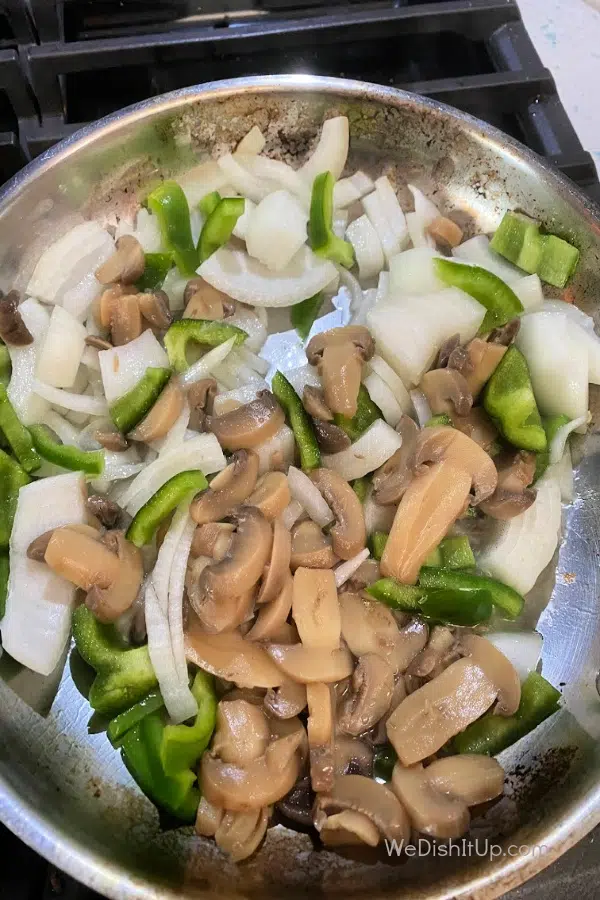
(368, 302)
(419, 237)
(529, 291)
(60, 356)
(174, 287)
(305, 492)
(347, 191)
(367, 247)
(377, 517)
(383, 287)
(585, 332)
(146, 231)
(378, 365)
(422, 408)
(243, 181)
(29, 407)
(266, 240)
(349, 281)
(252, 143)
(522, 648)
(250, 321)
(228, 400)
(89, 359)
(347, 569)
(564, 471)
(260, 365)
(176, 434)
(331, 152)
(382, 397)
(276, 175)
(176, 587)
(559, 441)
(387, 218)
(68, 260)
(370, 451)
(202, 180)
(123, 367)
(207, 364)
(291, 514)
(240, 229)
(67, 432)
(282, 446)
(477, 252)
(412, 272)
(82, 403)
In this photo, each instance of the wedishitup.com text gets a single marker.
(467, 847)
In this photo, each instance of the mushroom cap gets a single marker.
(240, 833)
(154, 307)
(212, 540)
(250, 551)
(413, 638)
(308, 665)
(373, 800)
(271, 495)
(349, 534)
(272, 616)
(447, 391)
(242, 732)
(248, 425)
(320, 736)
(352, 756)
(126, 264)
(347, 828)
(227, 489)
(512, 495)
(231, 657)
(478, 426)
(314, 404)
(162, 415)
(478, 363)
(431, 811)
(391, 480)
(357, 335)
(330, 438)
(125, 320)
(368, 626)
(442, 442)
(203, 301)
(471, 776)
(339, 355)
(13, 329)
(311, 549)
(287, 701)
(372, 686)
(498, 669)
(277, 572)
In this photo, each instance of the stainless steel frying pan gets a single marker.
(63, 789)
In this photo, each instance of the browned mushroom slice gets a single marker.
(13, 329)
(98, 343)
(231, 657)
(277, 572)
(446, 350)
(498, 669)
(512, 495)
(478, 426)
(240, 833)
(227, 489)
(208, 818)
(314, 404)
(373, 800)
(126, 264)
(250, 551)
(162, 416)
(478, 363)
(248, 425)
(472, 777)
(426, 719)
(154, 307)
(105, 306)
(259, 783)
(308, 665)
(271, 495)
(413, 638)
(347, 828)
(431, 812)
(441, 641)
(349, 534)
(284, 727)
(330, 438)
(216, 614)
(320, 736)
(112, 440)
(315, 609)
(367, 573)
(369, 627)
(201, 395)
(242, 732)
(505, 334)
(126, 320)
(352, 756)
(272, 615)
(447, 391)
(213, 539)
(311, 548)
(106, 511)
(339, 355)
(108, 568)
(369, 699)
(287, 701)
(445, 443)
(392, 479)
(445, 232)
(203, 301)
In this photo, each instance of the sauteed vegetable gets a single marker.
(289, 557)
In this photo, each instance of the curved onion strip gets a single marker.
(309, 496)
(176, 586)
(347, 569)
(291, 513)
(82, 403)
(422, 408)
(559, 441)
(208, 362)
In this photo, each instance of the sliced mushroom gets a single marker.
(369, 699)
(472, 777)
(447, 391)
(445, 443)
(330, 438)
(98, 343)
(13, 329)
(208, 818)
(505, 334)
(512, 495)
(277, 573)
(446, 350)
(240, 833)
(369, 627)
(203, 301)
(126, 264)
(320, 736)
(257, 784)
(315, 609)
(272, 615)
(308, 665)
(285, 634)
(154, 307)
(314, 404)
(271, 495)
(347, 828)
(367, 573)
(112, 440)
(250, 551)
(242, 732)
(106, 511)
(427, 718)
(202, 394)
(297, 804)
(311, 548)
(413, 638)
(213, 540)
(248, 425)
(126, 320)
(339, 355)
(217, 614)
(371, 799)
(498, 669)
(441, 641)
(478, 426)
(286, 701)
(230, 657)
(108, 301)
(392, 479)
(445, 232)
(431, 812)
(478, 363)
(109, 568)
(349, 534)
(352, 756)
(162, 416)
(227, 489)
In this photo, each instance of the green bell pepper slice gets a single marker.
(360, 486)
(447, 606)
(492, 733)
(384, 760)
(156, 269)
(203, 331)
(209, 203)
(125, 721)
(131, 408)
(124, 674)
(162, 503)
(551, 424)
(500, 301)
(303, 314)
(304, 435)
(183, 745)
(322, 237)
(89, 461)
(366, 413)
(452, 553)
(219, 226)
(377, 542)
(12, 478)
(519, 240)
(440, 419)
(17, 435)
(505, 599)
(5, 365)
(169, 204)
(4, 573)
(140, 751)
(509, 399)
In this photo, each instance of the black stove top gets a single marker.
(66, 62)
